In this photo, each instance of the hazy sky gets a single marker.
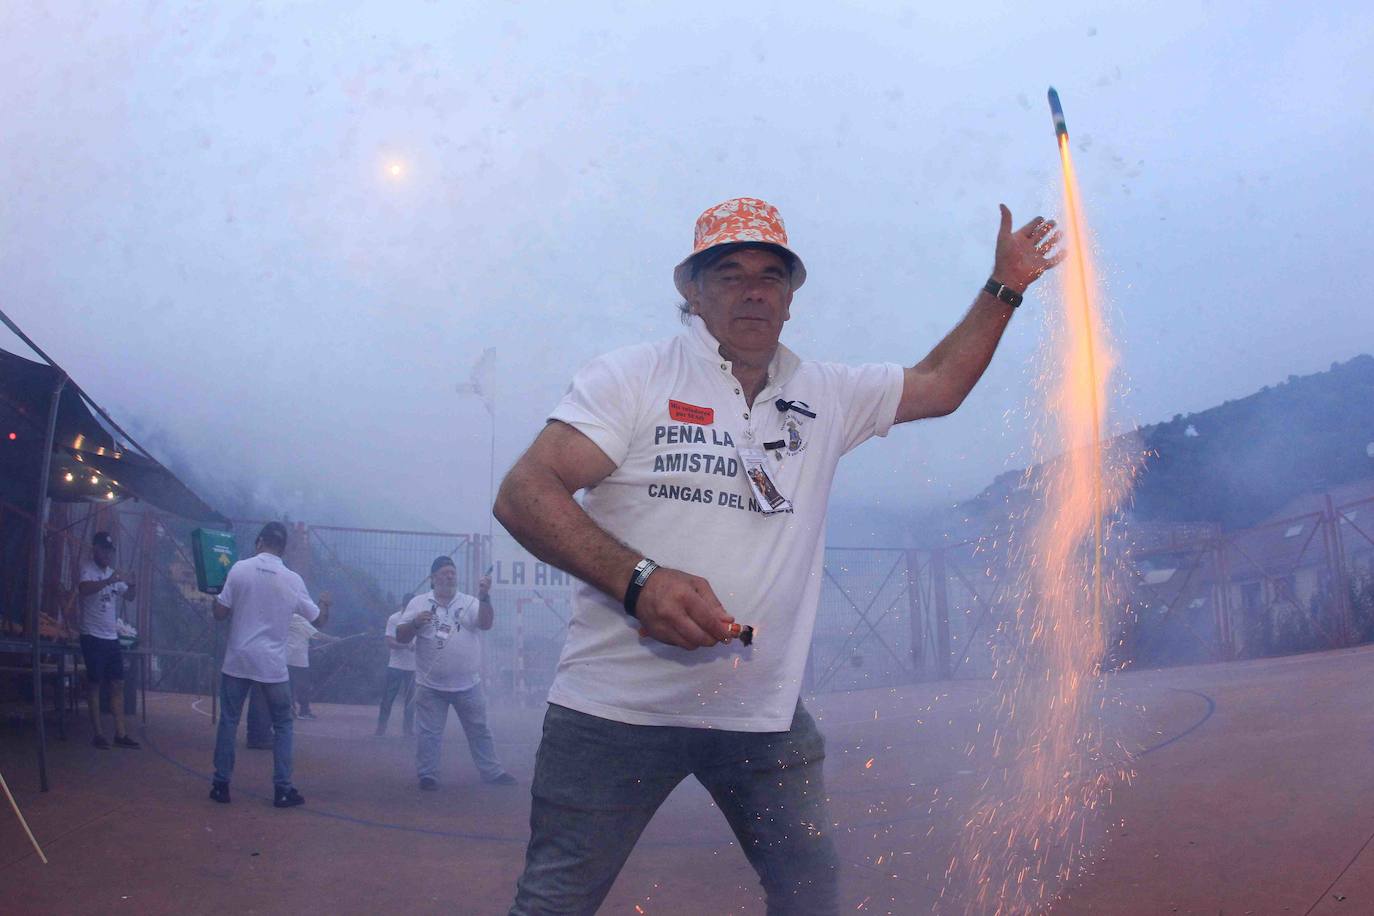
(198, 218)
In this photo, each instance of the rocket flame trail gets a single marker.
(1036, 820)
(1087, 307)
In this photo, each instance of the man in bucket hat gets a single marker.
(706, 462)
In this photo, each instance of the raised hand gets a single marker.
(1024, 255)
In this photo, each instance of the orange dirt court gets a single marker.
(1252, 793)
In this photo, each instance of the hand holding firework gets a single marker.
(681, 610)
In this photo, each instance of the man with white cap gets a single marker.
(706, 462)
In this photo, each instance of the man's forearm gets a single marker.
(539, 512)
(948, 373)
(86, 589)
(486, 614)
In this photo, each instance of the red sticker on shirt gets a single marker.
(690, 413)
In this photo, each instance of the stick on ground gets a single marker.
(19, 814)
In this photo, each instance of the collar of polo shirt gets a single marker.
(780, 369)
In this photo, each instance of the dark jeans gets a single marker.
(598, 782)
(402, 683)
(233, 692)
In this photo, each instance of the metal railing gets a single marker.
(886, 616)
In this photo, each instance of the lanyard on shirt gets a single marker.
(443, 628)
(450, 615)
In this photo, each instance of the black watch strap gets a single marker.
(643, 570)
(1004, 293)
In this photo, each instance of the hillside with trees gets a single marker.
(1233, 464)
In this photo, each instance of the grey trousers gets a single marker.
(431, 713)
(598, 782)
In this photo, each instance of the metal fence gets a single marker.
(1295, 584)
(886, 616)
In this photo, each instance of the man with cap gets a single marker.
(706, 462)
(446, 626)
(99, 590)
(259, 598)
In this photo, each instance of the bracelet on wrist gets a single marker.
(642, 571)
(1002, 292)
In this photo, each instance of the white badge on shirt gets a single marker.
(766, 492)
(443, 626)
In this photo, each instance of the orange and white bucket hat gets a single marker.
(743, 219)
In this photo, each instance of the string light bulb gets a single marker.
(69, 477)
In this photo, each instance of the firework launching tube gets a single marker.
(1061, 129)
(745, 634)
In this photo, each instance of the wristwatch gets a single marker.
(643, 570)
(1004, 293)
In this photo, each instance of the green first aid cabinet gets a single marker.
(213, 552)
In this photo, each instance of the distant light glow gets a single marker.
(13, 436)
(395, 169)
(69, 477)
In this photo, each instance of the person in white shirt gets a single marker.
(400, 676)
(706, 463)
(446, 626)
(259, 598)
(99, 591)
(298, 662)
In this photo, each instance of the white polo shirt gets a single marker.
(402, 658)
(672, 416)
(298, 642)
(456, 663)
(263, 594)
(100, 611)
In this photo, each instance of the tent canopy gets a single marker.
(88, 461)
